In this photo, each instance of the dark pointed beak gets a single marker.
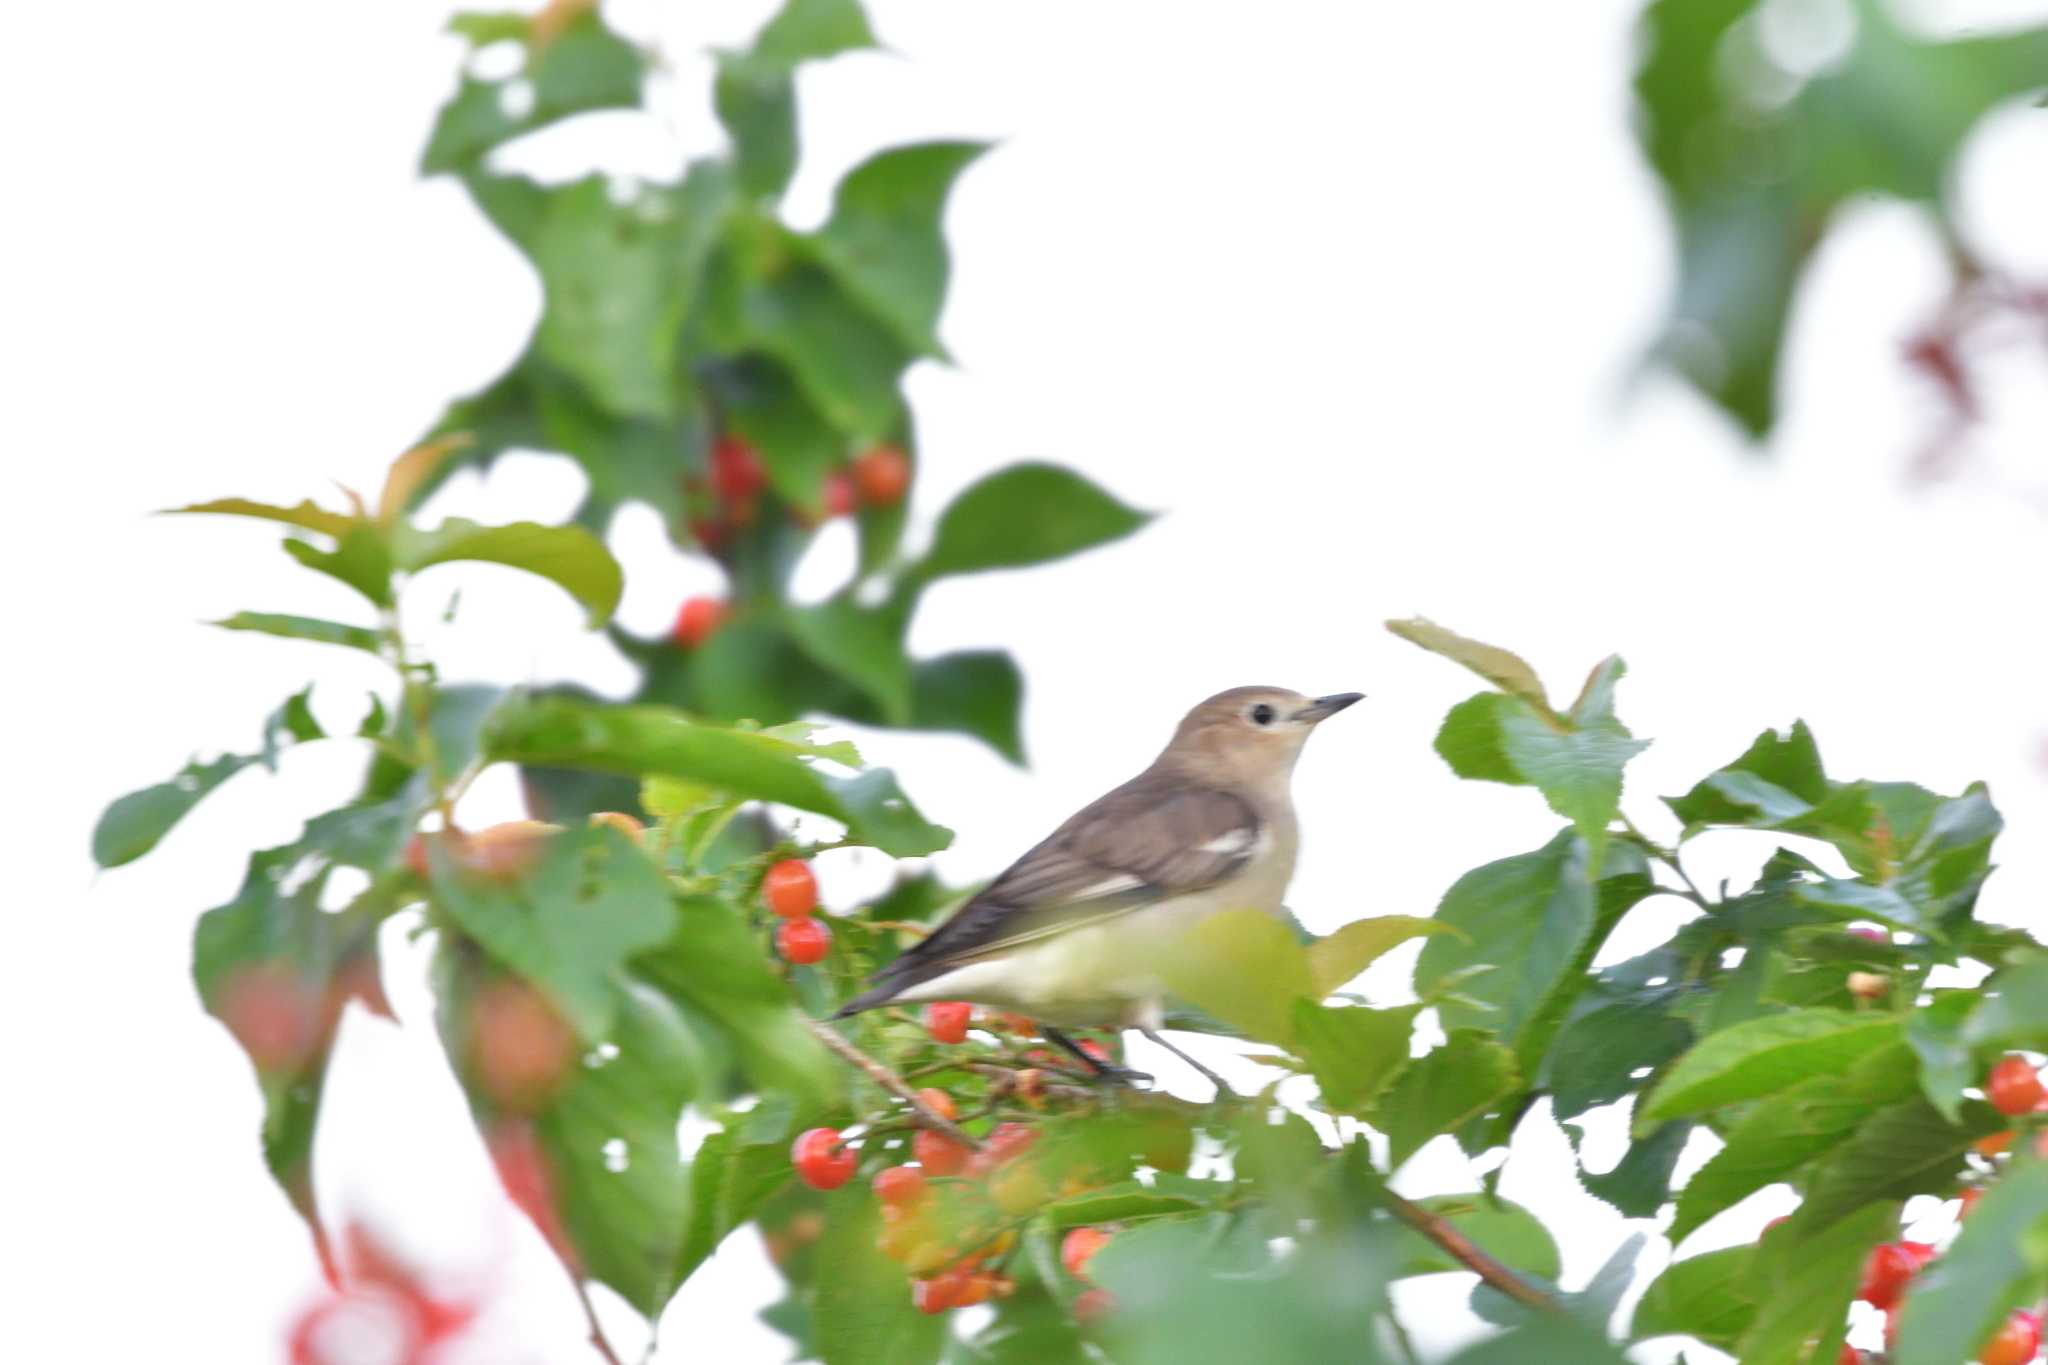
(1322, 708)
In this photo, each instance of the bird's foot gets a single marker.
(1109, 1073)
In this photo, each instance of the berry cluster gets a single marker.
(790, 889)
(729, 502)
(2014, 1088)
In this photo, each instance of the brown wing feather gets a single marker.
(1155, 837)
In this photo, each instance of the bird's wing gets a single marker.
(1151, 839)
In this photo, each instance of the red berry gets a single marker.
(1848, 1355)
(882, 476)
(820, 1161)
(2016, 1343)
(838, 494)
(697, 620)
(900, 1186)
(938, 1101)
(946, 1020)
(1096, 1050)
(1871, 932)
(1079, 1247)
(802, 941)
(1994, 1144)
(521, 1048)
(1093, 1306)
(790, 888)
(2015, 1087)
(1009, 1140)
(939, 1154)
(941, 1291)
(736, 471)
(1969, 1198)
(274, 1013)
(1887, 1269)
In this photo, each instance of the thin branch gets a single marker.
(598, 1339)
(891, 1082)
(1440, 1231)
(1668, 857)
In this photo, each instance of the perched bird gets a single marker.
(1071, 934)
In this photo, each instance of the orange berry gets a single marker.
(802, 941)
(939, 1154)
(2016, 1343)
(1009, 1140)
(697, 620)
(940, 1292)
(899, 1186)
(2014, 1087)
(946, 1020)
(938, 1101)
(1079, 1247)
(1994, 1144)
(882, 476)
(821, 1161)
(1969, 1197)
(790, 888)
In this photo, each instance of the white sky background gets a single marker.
(1350, 292)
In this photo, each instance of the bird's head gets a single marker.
(1249, 736)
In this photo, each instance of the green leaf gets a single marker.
(305, 515)
(1888, 118)
(846, 362)
(1024, 514)
(362, 560)
(1343, 953)
(756, 101)
(975, 692)
(729, 1181)
(303, 628)
(1997, 1263)
(799, 447)
(1495, 737)
(810, 30)
(1505, 670)
(1947, 1063)
(1804, 1287)
(1776, 778)
(1902, 1150)
(1525, 920)
(1597, 1054)
(622, 1191)
(1554, 1338)
(648, 740)
(1763, 1056)
(583, 68)
(1640, 1183)
(568, 556)
(1506, 1231)
(593, 901)
(717, 965)
(137, 822)
(1778, 1136)
(1245, 968)
(862, 1313)
(862, 644)
(1441, 1091)
(1705, 1297)
(1354, 1053)
(883, 242)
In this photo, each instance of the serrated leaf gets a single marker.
(1763, 1056)
(1354, 1053)
(1802, 1317)
(1704, 1297)
(1902, 1150)
(1640, 1183)
(1495, 737)
(1024, 514)
(1597, 1054)
(1438, 1092)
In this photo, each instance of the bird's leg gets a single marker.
(1107, 1071)
(1222, 1086)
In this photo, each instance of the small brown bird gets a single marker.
(1071, 933)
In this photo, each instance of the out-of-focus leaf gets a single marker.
(302, 628)
(415, 470)
(305, 515)
(811, 30)
(567, 556)
(1024, 514)
(1552, 1339)
(862, 644)
(1344, 952)
(756, 101)
(975, 692)
(593, 901)
(583, 67)
(799, 447)
(1505, 670)
(1763, 1056)
(646, 740)
(883, 241)
(361, 559)
(861, 1310)
(1998, 1262)
(846, 362)
(1354, 1053)
(1243, 967)
(1438, 1092)
(1705, 1297)
(729, 1181)
(1755, 158)
(137, 822)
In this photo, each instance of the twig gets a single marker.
(891, 1082)
(597, 1337)
(1668, 857)
(1440, 1231)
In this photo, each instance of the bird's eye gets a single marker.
(1263, 714)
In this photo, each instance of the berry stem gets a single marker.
(891, 1082)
